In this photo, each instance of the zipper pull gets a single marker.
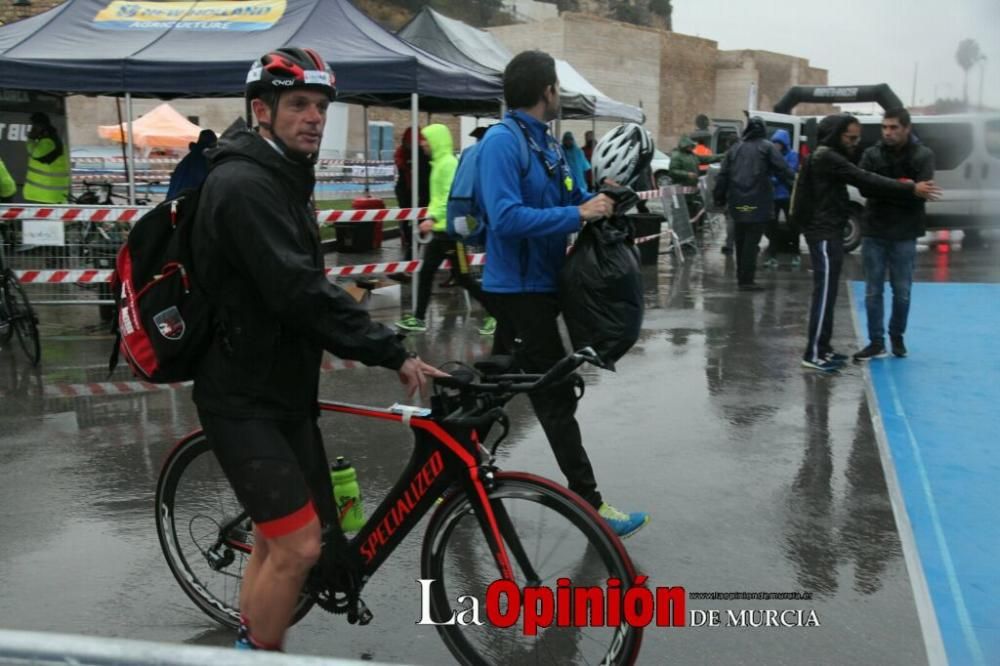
(173, 213)
(184, 279)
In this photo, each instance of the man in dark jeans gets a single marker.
(744, 184)
(891, 228)
(531, 210)
(824, 180)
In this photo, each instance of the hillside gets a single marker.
(393, 14)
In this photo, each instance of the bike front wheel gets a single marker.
(550, 535)
(22, 318)
(205, 533)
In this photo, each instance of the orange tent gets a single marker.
(163, 127)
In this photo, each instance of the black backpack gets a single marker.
(164, 321)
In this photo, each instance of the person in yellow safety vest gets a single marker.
(8, 188)
(48, 177)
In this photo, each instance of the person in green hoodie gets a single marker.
(436, 139)
(685, 170)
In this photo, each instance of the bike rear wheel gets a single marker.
(560, 538)
(193, 502)
(22, 318)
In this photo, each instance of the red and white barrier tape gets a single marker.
(127, 214)
(72, 213)
(90, 276)
(374, 215)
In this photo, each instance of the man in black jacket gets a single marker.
(745, 185)
(257, 253)
(824, 180)
(891, 228)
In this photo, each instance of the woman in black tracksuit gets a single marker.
(824, 180)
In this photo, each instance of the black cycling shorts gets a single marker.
(278, 469)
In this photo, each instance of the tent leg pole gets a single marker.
(365, 108)
(414, 184)
(593, 131)
(130, 162)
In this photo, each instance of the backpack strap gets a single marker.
(522, 141)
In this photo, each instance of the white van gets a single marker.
(967, 166)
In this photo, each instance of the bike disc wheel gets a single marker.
(23, 319)
(193, 501)
(561, 538)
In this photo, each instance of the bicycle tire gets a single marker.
(457, 557)
(23, 319)
(192, 471)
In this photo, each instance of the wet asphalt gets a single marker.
(759, 476)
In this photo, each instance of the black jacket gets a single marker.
(827, 174)
(257, 254)
(896, 218)
(745, 180)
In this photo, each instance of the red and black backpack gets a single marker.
(164, 321)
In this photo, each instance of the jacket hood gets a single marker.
(831, 127)
(755, 129)
(240, 141)
(439, 139)
(781, 136)
(686, 143)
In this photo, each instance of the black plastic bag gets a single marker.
(600, 290)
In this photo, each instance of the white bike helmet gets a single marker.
(622, 154)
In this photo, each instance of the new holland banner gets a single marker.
(249, 15)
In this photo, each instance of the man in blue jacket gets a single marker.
(532, 207)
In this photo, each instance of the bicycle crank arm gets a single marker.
(360, 614)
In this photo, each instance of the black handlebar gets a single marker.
(468, 381)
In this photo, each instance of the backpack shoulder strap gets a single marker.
(522, 141)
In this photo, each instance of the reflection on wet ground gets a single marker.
(758, 476)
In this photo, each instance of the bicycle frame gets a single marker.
(439, 460)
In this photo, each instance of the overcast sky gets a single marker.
(862, 41)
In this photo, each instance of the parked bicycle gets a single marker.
(490, 525)
(98, 241)
(16, 313)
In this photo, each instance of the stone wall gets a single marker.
(687, 85)
(773, 73)
(594, 47)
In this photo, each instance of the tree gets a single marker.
(663, 9)
(968, 54)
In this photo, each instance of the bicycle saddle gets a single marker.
(494, 365)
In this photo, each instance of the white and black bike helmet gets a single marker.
(622, 154)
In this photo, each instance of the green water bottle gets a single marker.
(347, 495)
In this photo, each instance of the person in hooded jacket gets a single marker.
(437, 140)
(824, 180)
(685, 169)
(579, 166)
(782, 239)
(744, 185)
(258, 258)
(191, 171)
(404, 189)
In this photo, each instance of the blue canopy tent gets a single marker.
(204, 49)
(192, 49)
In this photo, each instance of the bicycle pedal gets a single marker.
(360, 615)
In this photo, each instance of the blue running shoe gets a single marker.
(623, 524)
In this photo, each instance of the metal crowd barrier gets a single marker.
(45, 649)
